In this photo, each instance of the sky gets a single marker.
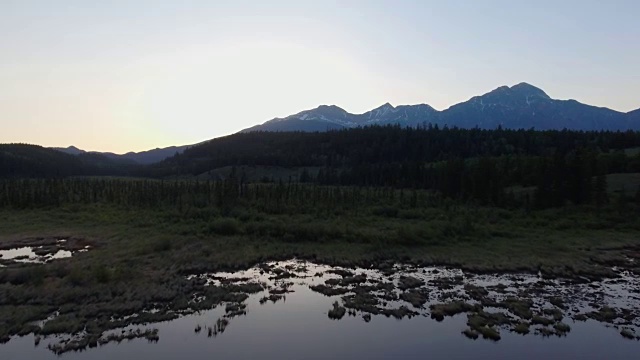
(134, 75)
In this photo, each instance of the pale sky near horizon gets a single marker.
(134, 75)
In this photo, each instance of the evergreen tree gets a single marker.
(600, 191)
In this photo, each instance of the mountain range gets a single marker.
(522, 106)
(139, 158)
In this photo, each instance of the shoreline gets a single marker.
(138, 259)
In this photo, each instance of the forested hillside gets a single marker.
(32, 161)
(483, 165)
(495, 167)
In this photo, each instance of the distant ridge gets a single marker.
(141, 158)
(521, 106)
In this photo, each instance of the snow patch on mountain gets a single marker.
(519, 106)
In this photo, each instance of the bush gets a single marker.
(312, 233)
(410, 214)
(76, 277)
(409, 236)
(61, 270)
(102, 274)
(225, 227)
(161, 245)
(458, 227)
(246, 215)
(18, 277)
(33, 275)
(271, 228)
(62, 325)
(386, 211)
(37, 275)
(203, 214)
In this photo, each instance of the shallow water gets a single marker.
(39, 251)
(27, 255)
(18, 253)
(298, 328)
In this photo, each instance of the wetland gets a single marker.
(282, 308)
(319, 278)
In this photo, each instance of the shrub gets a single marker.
(124, 273)
(30, 275)
(61, 270)
(270, 228)
(309, 232)
(409, 236)
(161, 245)
(225, 226)
(386, 211)
(76, 277)
(102, 274)
(62, 325)
(36, 275)
(410, 214)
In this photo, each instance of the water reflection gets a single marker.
(297, 325)
(29, 255)
(40, 250)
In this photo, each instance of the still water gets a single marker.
(298, 328)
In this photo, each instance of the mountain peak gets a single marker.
(380, 111)
(71, 150)
(385, 106)
(331, 113)
(519, 106)
(526, 89)
(330, 110)
(330, 107)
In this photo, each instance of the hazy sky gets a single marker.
(134, 75)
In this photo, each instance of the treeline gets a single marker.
(578, 177)
(383, 145)
(487, 167)
(472, 165)
(280, 197)
(186, 195)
